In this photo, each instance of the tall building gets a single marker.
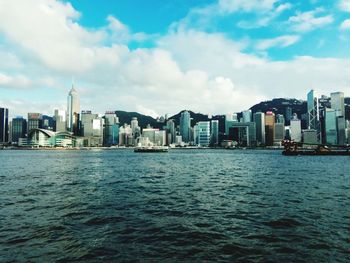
(280, 119)
(73, 109)
(202, 133)
(125, 136)
(60, 121)
(111, 129)
(136, 130)
(247, 116)
(331, 127)
(19, 129)
(155, 136)
(48, 122)
(4, 125)
(35, 121)
(259, 119)
(313, 113)
(92, 128)
(288, 114)
(185, 126)
(337, 103)
(269, 128)
(170, 126)
(295, 129)
(214, 133)
(279, 133)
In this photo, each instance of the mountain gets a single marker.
(144, 120)
(279, 106)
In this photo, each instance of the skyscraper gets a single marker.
(60, 121)
(185, 125)
(259, 119)
(269, 128)
(214, 134)
(19, 128)
(4, 125)
(337, 103)
(203, 133)
(73, 109)
(170, 126)
(111, 130)
(331, 127)
(247, 115)
(313, 113)
(295, 129)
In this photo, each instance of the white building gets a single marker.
(295, 129)
(60, 119)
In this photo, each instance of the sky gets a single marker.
(163, 56)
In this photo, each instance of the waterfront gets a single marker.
(185, 205)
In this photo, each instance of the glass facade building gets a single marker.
(4, 125)
(185, 126)
(19, 129)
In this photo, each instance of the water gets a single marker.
(185, 205)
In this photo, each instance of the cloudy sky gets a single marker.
(162, 56)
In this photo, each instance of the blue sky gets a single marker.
(160, 57)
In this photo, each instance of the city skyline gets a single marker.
(210, 56)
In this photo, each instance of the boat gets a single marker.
(291, 149)
(151, 149)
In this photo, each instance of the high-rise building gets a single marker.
(341, 130)
(202, 133)
(331, 127)
(214, 133)
(111, 129)
(92, 128)
(60, 121)
(288, 114)
(259, 119)
(170, 126)
(313, 113)
(155, 136)
(295, 129)
(185, 126)
(48, 122)
(247, 116)
(136, 130)
(244, 133)
(125, 136)
(269, 128)
(337, 103)
(4, 125)
(35, 121)
(73, 109)
(19, 129)
(279, 133)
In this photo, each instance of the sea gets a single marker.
(210, 205)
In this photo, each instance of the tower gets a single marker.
(313, 113)
(73, 108)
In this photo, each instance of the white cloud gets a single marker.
(344, 5)
(282, 41)
(187, 69)
(307, 21)
(246, 6)
(19, 81)
(345, 25)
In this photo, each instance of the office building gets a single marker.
(313, 113)
(202, 133)
(73, 109)
(331, 126)
(35, 121)
(247, 116)
(279, 133)
(155, 136)
(269, 128)
(259, 119)
(4, 125)
(280, 119)
(126, 136)
(337, 103)
(19, 129)
(214, 133)
(242, 133)
(92, 129)
(60, 121)
(111, 129)
(295, 129)
(310, 137)
(170, 127)
(185, 126)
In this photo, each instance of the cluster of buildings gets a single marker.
(325, 117)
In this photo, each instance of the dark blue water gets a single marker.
(192, 206)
